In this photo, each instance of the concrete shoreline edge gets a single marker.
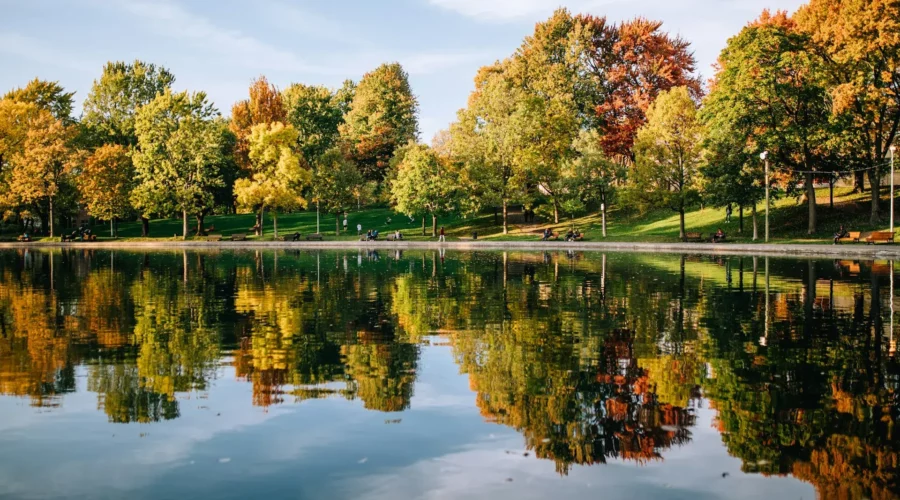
(786, 250)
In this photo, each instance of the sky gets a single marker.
(220, 46)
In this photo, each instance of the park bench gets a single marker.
(391, 237)
(880, 237)
(239, 237)
(289, 237)
(553, 237)
(214, 237)
(693, 237)
(24, 238)
(852, 237)
(66, 237)
(314, 236)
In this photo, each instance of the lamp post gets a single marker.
(317, 218)
(892, 148)
(764, 156)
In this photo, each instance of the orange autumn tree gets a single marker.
(105, 183)
(635, 61)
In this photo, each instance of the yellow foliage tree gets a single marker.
(277, 177)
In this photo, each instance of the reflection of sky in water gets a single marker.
(441, 448)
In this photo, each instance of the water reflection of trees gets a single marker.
(590, 358)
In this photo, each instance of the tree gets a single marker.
(178, 156)
(277, 177)
(382, 118)
(336, 185)
(422, 184)
(105, 183)
(860, 40)
(548, 67)
(668, 153)
(634, 62)
(591, 177)
(15, 117)
(111, 105)
(488, 138)
(44, 164)
(769, 92)
(316, 113)
(50, 96)
(265, 105)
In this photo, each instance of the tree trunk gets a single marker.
(505, 224)
(259, 221)
(859, 181)
(831, 192)
(875, 183)
(112, 228)
(433, 225)
(184, 224)
(555, 211)
(681, 223)
(811, 201)
(275, 224)
(200, 229)
(423, 225)
(145, 227)
(51, 217)
(740, 219)
(755, 225)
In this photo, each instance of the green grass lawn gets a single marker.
(788, 223)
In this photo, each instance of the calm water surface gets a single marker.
(459, 375)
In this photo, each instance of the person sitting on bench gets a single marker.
(719, 236)
(547, 235)
(374, 235)
(295, 237)
(398, 236)
(841, 233)
(570, 235)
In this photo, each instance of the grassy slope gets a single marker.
(787, 222)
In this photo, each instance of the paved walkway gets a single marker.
(845, 251)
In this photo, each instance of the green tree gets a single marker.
(336, 185)
(179, 156)
(278, 178)
(668, 153)
(316, 113)
(488, 138)
(423, 183)
(382, 118)
(105, 183)
(769, 91)
(112, 103)
(591, 177)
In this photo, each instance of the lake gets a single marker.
(427, 374)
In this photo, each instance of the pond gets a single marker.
(428, 374)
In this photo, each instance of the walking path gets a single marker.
(845, 251)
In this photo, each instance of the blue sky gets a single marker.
(220, 46)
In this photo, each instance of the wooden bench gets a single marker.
(66, 237)
(698, 237)
(314, 236)
(214, 237)
(553, 237)
(24, 238)
(880, 237)
(852, 237)
(239, 237)
(394, 238)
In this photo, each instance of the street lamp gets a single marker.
(764, 156)
(892, 148)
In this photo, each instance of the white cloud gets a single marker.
(233, 46)
(34, 50)
(508, 10)
(428, 63)
(309, 23)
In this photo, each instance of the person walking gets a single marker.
(345, 224)
(358, 229)
(728, 213)
(442, 237)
